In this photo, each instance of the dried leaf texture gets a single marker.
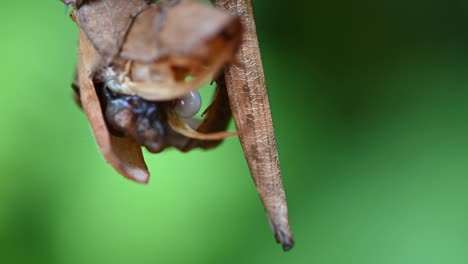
(187, 29)
(172, 56)
(122, 153)
(153, 45)
(162, 51)
(251, 110)
(106, 23)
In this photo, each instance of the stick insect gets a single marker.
(140, 65)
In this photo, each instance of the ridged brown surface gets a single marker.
(185, 39)
(251, 110)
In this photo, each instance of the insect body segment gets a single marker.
(145, 122)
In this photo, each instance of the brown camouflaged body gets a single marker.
(115, 31)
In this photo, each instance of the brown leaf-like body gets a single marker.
(251, 110)
(155, 45)
(180, 30)
(122, 153)
(106, 23)
(177, 46)
(154, 48)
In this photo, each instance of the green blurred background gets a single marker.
(370, 104)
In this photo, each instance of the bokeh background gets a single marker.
(370, 104)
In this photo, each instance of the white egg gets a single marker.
(188, 105)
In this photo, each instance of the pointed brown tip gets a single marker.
(248, 95)
(122, 153)
(285, 239)
(136, 174)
